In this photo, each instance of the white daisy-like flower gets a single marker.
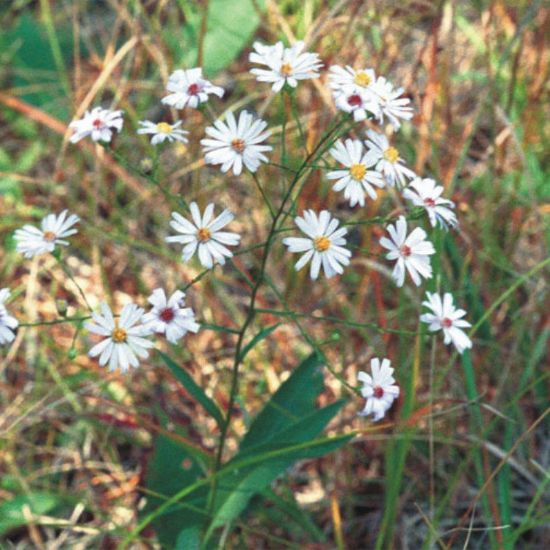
(169, 316)
(392, 105)
(233, 143)
(99, 124)
(124, 343)
(446, 317)
(357, 102)
(189, 89)
(410, 252)
(8, 324)
(162, 131)
(352, 91)
(32, 241)
(324, 244)
(357, 180)
(203, 234)
(284, 65)
(379, 389)
(348, 78)
(427, 194)
(386, 159)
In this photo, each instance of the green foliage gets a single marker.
(229, 27)
(283, 432)
(34, 63)
(194, 389)
(11, 511)
(170, 468)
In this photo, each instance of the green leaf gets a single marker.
(295, 398)
(288, 418)
(230, 26)
(264, 333)
(11, 512)
(34, 64)
(189, 539)
(170, 468)
(194, 389)
(235, 491)
(305, 429)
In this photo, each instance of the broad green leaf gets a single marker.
(288, 418)
(34, 63)
(231, 25)
(194, 389)
(295, 398)
(236, 490)
(204, 482)
(229, 28)
(189, 539)
(170, 468)
(264, 333)
(306, 428)
(11, 511)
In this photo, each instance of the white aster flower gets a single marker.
(189, 89)
(379, 389)
(162, 131)
(353, 93)
(357, 180)
(447, 318)
(392, 105)
(324, 244)
(98, 123)
(123, 339)
(427, 194)
(32, 241)
(284, 65)
(348, 78)
(204, 234)
(410, 252)
(387, 160)
(233, 143)
(357, 102)
(169, 316)
(8, 324)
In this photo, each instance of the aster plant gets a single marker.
(250, 151)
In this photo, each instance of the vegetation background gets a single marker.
(464, 465)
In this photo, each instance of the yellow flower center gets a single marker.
(203, 234)
(362, 79)
(238, 145)
(164, 128)
(286, 69)
(49, 236)
(119, 335)
(321, 244)
(358, 171)
(391, 154)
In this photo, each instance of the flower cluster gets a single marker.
(361, 169)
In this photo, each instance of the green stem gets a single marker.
(280, 214)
